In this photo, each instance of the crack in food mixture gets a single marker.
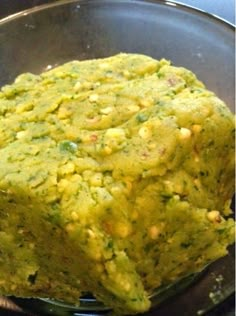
(116, 177)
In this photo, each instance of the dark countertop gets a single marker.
(225, 9)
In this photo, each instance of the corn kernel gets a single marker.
(122, 230)
(126, 73)
(62, 185)
(70, 228)
(197, 182)
(64, 113)
(74, 216)
(146, 102)
(145, 132)
(93, 97)
(153, 232)
(185, 133)
(104, 65)
(21, 134)
(77, 86)
(106, 110)
(96, 256)
(107, 150)
(96, 180)
(214, 216)
(91, 233)
(152, 146)
(196, 128)
(67, 168)
(115, 133)
(125, 285)
(133, 108)
(128, 184)
(87, 85)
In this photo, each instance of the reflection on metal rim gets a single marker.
(176, 4)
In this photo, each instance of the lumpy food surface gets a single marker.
(116, 177)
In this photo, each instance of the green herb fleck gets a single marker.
(67, 145)
(141, 117)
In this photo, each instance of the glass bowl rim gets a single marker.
(170, 3)
(165, 3)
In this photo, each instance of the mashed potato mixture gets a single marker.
(116, 177)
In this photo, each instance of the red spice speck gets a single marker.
(172, 81)
(93, 138)
(144, 155)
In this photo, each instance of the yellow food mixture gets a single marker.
(116, 177)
